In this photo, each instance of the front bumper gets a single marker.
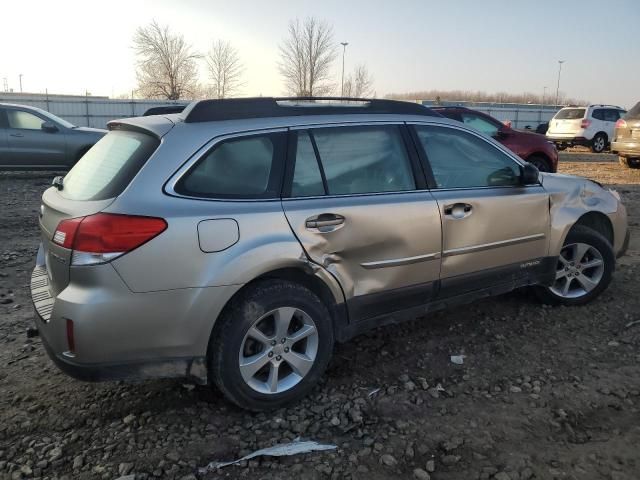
(120, 334)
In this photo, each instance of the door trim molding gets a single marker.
(396, 262)
(492, 245)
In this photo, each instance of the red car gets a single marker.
(532, 147)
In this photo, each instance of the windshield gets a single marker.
(634, 113)
(570, 114)
(53, 117)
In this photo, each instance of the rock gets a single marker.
(125, 468)
(450, 459)
(55, 453)
(431, 466)
(502, 476)
(129, 419)
(515, 389)
(78, 462)
(420, 474)
(388, 460)
(335, 421)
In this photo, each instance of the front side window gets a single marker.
(24, 120)
(462, 160)
(480, 124)
(244, 167)
(366, 159)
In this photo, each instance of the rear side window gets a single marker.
(461, 160)
(480, 124)
(244, 167)
(109, 166)
(634, 113)
(307, 179)
(611, 115)
(367, 159)
(598, 114)
(570, 114)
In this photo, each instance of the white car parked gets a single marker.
(591, 126)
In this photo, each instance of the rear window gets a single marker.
(109, 166)
(634, 113)
(570, 114)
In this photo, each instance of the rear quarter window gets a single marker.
(109, 166)
(570, 114)
(246, 167)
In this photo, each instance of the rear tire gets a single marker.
(541, 163)
(585, 266)
(271, 345)
(629, 162)
(599, 143)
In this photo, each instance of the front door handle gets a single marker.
(16, 135)
(325, 222)
(457, 211)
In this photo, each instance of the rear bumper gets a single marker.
(568, 139)
(120, 334)
(626, 149)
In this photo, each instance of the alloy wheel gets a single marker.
(580, 269)
(598, 143)
(278, 350)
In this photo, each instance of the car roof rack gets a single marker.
(264, 107)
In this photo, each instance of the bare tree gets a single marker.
(359, 84)
(306, 57)
(167, 66)
(225, 69)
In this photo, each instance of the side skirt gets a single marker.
(534, 272)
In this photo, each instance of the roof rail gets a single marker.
(262, 107)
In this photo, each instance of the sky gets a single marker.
(70, 46)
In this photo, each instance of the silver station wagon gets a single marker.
(236, 242)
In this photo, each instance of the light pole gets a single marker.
(344, 49)
(544, 94)
(560, 62)
(20, 78)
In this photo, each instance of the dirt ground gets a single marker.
(543, 393)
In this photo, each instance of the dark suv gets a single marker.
(529, 146)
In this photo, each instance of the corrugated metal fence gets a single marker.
(85, 111)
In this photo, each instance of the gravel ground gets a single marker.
(543, 392)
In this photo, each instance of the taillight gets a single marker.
(102, 237)
(621, 124)
(585, 123)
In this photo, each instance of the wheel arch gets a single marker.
(598, 222)
(318, 280)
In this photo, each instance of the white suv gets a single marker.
(590, 126)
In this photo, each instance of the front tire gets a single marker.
(541, 163)
(629, 162)
(585, 266)
(599, 143)
(271, 345)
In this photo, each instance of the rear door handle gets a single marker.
(325, 222)
(16, 135)
(457, 211)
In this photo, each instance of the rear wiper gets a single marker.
(58, 182)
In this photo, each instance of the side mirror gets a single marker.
(49, 127)
(530, 175)
(502, 132)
